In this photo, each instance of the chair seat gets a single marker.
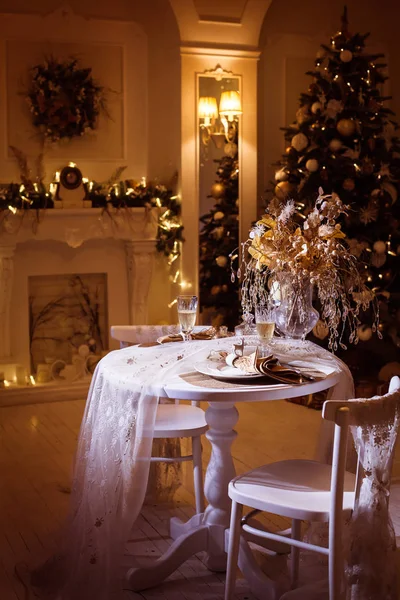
(298, 489)
(179, 420)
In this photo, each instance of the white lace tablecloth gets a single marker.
(113, 457)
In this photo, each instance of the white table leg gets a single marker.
(207, 531)
(221, 418)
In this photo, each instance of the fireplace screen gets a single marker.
(67, 324)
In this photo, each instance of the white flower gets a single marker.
(326, 231)
(287, 212)
(313, 219)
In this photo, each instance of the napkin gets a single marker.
(272, 368)
(204, 334)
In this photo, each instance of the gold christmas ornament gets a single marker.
(346, 56)
(215, 290)
(335, 145)
(217, 190)
(316, 107)
(378, 260)
(391, 190)
(218, 232)
(367, 167)
(379, 247)
(364, 333)
(349, 184)
(221, 261)
(299, 142)
(312, 165)
(346, 127)
(281, 175)
(302, 115)
(224, 288)
(283, 190)
(369, 213)
(218, 215)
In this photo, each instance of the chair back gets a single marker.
(374, 426)
(128, 335)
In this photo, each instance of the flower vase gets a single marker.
(295, 315)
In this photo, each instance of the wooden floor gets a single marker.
(37, 444)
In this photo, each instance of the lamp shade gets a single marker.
(230, 105)
(207, 109)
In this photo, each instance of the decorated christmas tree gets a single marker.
(219, 238)
(344, 140)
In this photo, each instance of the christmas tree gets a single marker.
(219, 238)
(344, 140)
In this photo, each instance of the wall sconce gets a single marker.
(230, 105)
(219, 125)
(208, 109)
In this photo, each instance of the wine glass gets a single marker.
(187, 309)
(265, 324)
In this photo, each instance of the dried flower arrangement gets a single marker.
(311, 252)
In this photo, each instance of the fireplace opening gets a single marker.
(68, 328)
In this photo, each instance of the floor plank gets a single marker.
(37, 445)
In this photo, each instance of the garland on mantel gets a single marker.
(16, 198)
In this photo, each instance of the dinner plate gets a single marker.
(223, 371)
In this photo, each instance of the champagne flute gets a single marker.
(265, 324)
(187, 309)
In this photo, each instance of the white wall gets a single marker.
(156, 63)
(133, 48)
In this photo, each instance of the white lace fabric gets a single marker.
(371, 568)
(113, 457)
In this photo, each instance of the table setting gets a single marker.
(265, 360)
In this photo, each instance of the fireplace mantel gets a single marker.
(136, 228)
(75, 226)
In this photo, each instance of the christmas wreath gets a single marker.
(64, 99)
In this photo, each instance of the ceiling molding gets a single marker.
(195, 31)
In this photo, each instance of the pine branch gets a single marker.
(24, 171)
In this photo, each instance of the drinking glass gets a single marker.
(187, 309)
(265, 324)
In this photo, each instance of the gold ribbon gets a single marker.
(272, 368)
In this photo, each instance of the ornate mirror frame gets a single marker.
(206, 62)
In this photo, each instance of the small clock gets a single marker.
(71, 177)
(71, 192)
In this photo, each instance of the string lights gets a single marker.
(111, 195)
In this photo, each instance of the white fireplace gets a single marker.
(66, 243)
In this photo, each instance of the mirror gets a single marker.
(218, 111)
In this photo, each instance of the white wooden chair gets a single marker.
(302, 490)
(172, 420)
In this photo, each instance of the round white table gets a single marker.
(206, 532)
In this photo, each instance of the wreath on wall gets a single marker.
(64, 99)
